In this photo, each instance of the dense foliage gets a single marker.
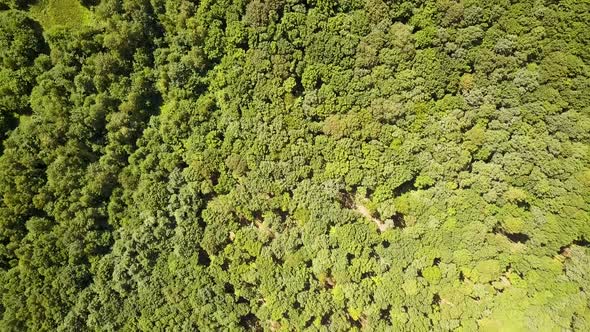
(289, 165)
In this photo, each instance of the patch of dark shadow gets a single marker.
(298, 89)
(101, 250)
(203, 258)
(282, 214)
(436, 261)
(419, 272)
(202, 224)
(517, 237)
(532, 57)
(209, 196)
(514, 237)
(257, 215)
(405, 187)
(524, 205)
(296, 305)
(182, 165)
(487, 159)
(306, 286)
(152, 255)
(250, 321)
(243, 44)
(405, 308)
(223, 25)
(315, 118)
(372, 253)
(355, 323)
(242, 300)
(402, 14)
(102, 223)
(225, 266)
(297, 246)
(369, 274)
(326, 319)
(520, 274)
(467, 168)
(276, 260)
(250, 259)
(436, 299)
(308, 263)
(346, 200)
(384, 314)
(214, 177)
(385, 244)
(309, 322)
(398, 220)
(582, 242)
(461, 276)
(199, 89)
(228, 288)
(243, 221)
(349, 257)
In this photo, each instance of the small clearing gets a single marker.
(61, 13)
(381, 225)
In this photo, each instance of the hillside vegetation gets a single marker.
(285, 165)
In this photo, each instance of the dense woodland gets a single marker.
(289, 165)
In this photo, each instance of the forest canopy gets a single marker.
(287, 165)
